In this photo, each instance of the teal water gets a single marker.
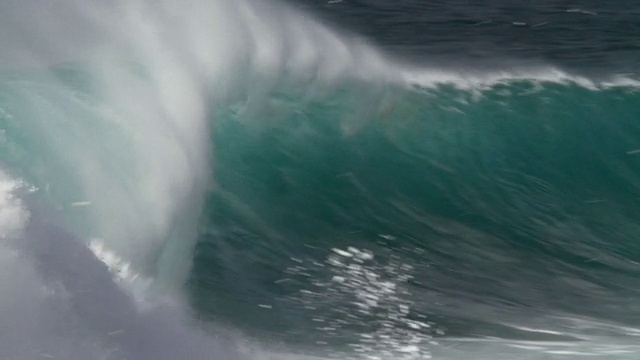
(494, 205)
(242, 181)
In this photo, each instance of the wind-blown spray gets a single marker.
(112, 102)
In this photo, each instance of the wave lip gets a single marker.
(470, 79)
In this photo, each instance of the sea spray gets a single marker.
(118, 104)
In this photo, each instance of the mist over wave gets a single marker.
(146, 79)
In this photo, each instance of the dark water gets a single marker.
(371, 179)
(586, 35)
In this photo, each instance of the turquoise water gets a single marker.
(292, 191)
(483, 206)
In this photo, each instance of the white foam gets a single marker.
(13, 215)
(377, 291)
(470, 79)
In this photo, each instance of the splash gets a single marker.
(13, 215)
(121, 105)
(366, 294)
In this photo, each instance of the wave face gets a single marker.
(503, 212)
(178, 178)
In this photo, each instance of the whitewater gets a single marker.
(106, 111)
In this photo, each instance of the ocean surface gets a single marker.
(304, 179)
